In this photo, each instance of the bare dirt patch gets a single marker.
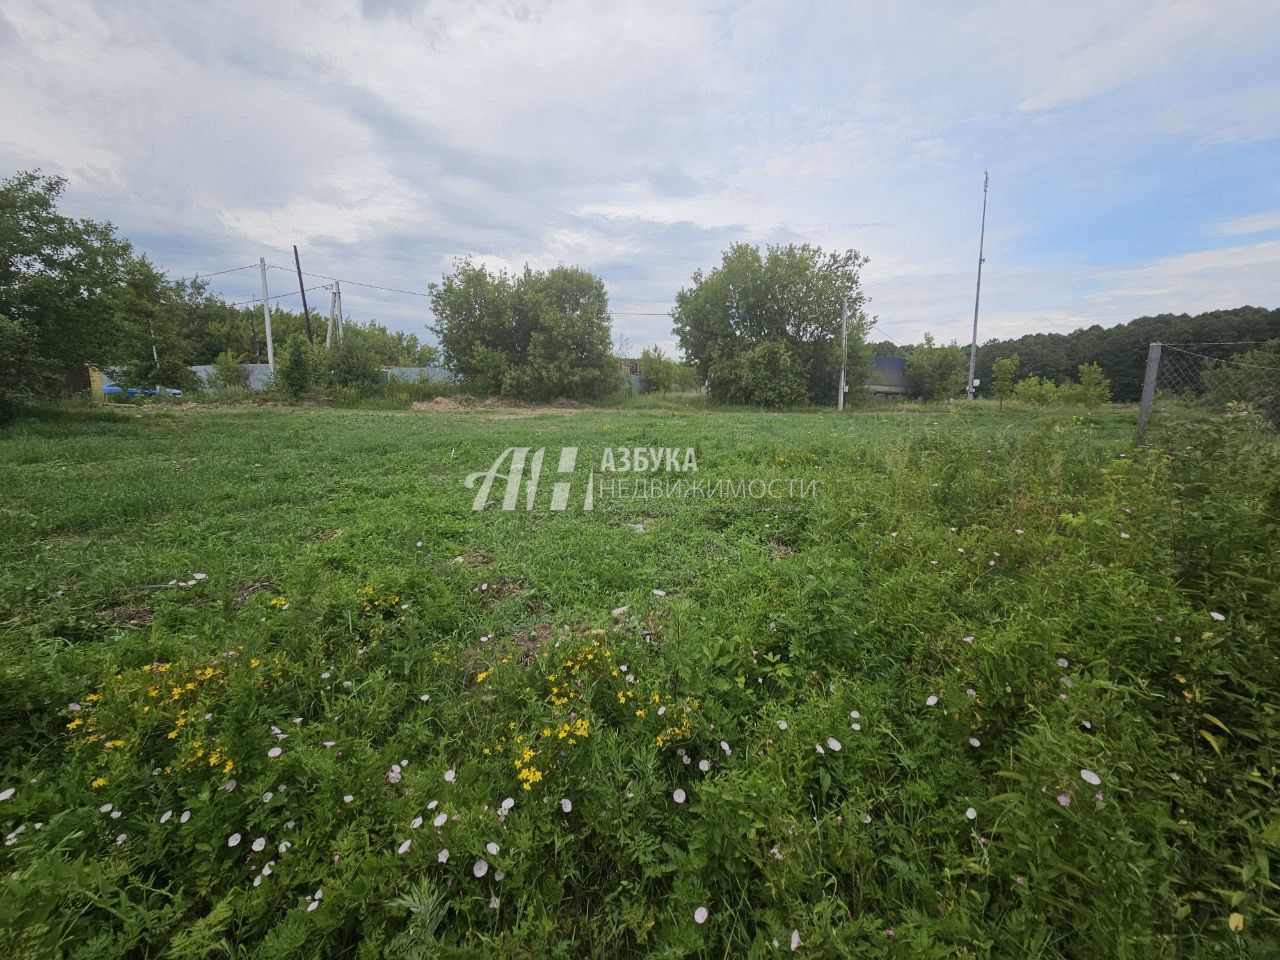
(126, 614)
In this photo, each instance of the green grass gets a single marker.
(347, 577)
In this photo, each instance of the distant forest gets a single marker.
(1120, 351)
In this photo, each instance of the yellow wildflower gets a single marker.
(99, 782)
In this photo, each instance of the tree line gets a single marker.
(73, 292)
(1119, 352)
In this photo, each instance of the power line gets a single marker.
(278, 296)
(221, 272)
(357, 283)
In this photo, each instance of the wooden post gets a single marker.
(306, 314)
(1148, 388)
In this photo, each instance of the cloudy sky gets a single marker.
(1133, 146)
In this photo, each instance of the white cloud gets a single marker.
(1254, 223)
(387, 137)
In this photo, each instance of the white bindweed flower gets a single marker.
(966, 639)
(782, 724)
(450, 776)
(855, 726)
(404, 847)
(566, 805)
(233, 840)
(678, 795)
(284, 846)
(257, 881)
(931, 701)
(433, 804)
(975, 742)
(1062, 662)
(348, 798)
(499, 876)
(494, 902)
(1216, 615)
(274, 752)
(659, 593)
(425, 697)
(266, 797)
(1091, 778)
(833, 744)
(855, 715)
(493, 848)
(259, 845)
(971, 814)
(443, 856)
(164, 817)
(186, 815)
(795, 940)
(105, 808)
(312, 905)
(507, 804)
(440, 820)
(704, 765)
(116, 814)
(724, 745)
(199, 576)
(480, 868)
(417, 822)
(121, 839)
(818, 747)
(700, 915)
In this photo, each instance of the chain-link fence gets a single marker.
(1210, 376)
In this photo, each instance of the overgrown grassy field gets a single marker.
(1005, 686)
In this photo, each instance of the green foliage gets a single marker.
(541, 335)
(1251, 378)
(1121, 351)
(1115, 615)
(1092, 389)
(657, 370)
(789, 296)
(1036, 391)
(1002, 373)
(294, 371)
(353, 363)
(58, 277)
(936, 372)
(228, 371)
(766, 375)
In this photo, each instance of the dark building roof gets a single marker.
(888, 372)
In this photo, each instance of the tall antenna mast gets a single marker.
(982, 236)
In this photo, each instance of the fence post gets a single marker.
(1148, 388)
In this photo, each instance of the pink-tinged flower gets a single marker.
(983, 841)
(566, 805)
(1020, 880)
(1064, 799)
(480, 868)
(795, 940)
(833, 745)
(889, 932)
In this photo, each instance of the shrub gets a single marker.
(766, 375)
(293, 376)
(228, 371)
(1035, 390)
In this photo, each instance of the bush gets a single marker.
(228, 372)
(293, 374)
(936, 372)
(1037, 391)
(766, 375)
(1092, 390)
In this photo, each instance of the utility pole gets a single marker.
(337, 294)
(844, 349)
(306, 314)
(973, 346)
(253, 335)
(266, 315)
(328, 330)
